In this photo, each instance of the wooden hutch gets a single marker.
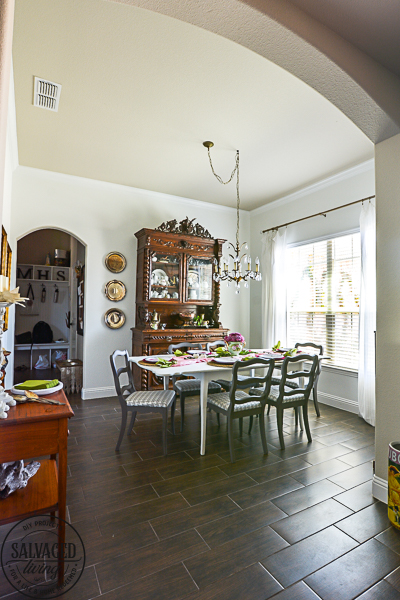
(177, 299)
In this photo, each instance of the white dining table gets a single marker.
(205, 373)
(202, 371)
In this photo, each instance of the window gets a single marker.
(324, 297)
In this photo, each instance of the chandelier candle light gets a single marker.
(239, 272)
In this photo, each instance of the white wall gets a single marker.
(387, 157)
(11, 163)
(336, 387)
(105, 217)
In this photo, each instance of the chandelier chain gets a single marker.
(218, 178)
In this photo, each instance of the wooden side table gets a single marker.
(32, 430)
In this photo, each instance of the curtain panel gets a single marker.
(274, 288)
(366, 368)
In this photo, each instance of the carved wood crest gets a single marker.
(186, 227)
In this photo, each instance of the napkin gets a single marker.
(37, 384)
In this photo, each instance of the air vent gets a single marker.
(46, 94)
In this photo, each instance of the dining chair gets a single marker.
(294, 384)
(139, 402)
(226, 384)
(188, 387)
(284, 396)
(216, 344)
(237, 404)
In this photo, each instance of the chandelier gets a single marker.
(241, 270)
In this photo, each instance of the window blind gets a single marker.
(324, 297)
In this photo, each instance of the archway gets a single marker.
(50, 272)
(365, 91)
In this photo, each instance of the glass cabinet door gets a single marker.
(164, 276)
(199, 282)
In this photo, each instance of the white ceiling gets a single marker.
(141, 92)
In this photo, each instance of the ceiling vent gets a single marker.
(46, 94)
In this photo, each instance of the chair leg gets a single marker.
(164, 430)
(296, 416)
(279, 419)
(306, 423)
(173, 406)
(230, 438)
(262, 432)
(241, 427)
(250, 424)
(131, 424)
(315, 398)
(122, 430)
(182, 399)
(300, 419)
(269, 409)
(218, 420)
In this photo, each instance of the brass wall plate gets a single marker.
(115, 262)
(114, 318)
(115, 290)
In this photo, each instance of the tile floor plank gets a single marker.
(233, 556)
(311, 520)
(223, 530)
(309, 555)
(307, 496)
(355, 572)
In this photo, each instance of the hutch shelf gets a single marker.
(177, 299)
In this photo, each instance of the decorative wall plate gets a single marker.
(115, 262)
(115, 290)
(114, 318)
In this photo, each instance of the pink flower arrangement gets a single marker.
(234, 337)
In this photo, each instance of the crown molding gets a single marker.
(363, 167)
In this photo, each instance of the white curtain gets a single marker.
(366, 368)
(274, 288)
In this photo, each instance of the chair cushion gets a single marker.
(290, 384)
(274, 394)
(158, 399)
(223, 401)
(193, 385)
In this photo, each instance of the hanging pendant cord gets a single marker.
(320, 214)
(218, 178)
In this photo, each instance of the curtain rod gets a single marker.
(320, 214)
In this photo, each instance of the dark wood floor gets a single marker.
(295, 525)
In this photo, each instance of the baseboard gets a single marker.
(338, 402)
(380, 489)
(101, 392)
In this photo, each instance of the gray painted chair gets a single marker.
(284, 396)
(294, 385)
(188, 387)
(226, 384)
(139, 402)
(236, 404)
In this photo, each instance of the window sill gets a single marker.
(340, 370)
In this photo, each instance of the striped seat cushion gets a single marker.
(274, 394)
(158, 399)
(193, 385)
(223, 401)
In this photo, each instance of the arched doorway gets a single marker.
(50, 273)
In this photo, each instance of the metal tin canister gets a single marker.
(61, 258)
(394, 484)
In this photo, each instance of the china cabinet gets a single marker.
(177, 299)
